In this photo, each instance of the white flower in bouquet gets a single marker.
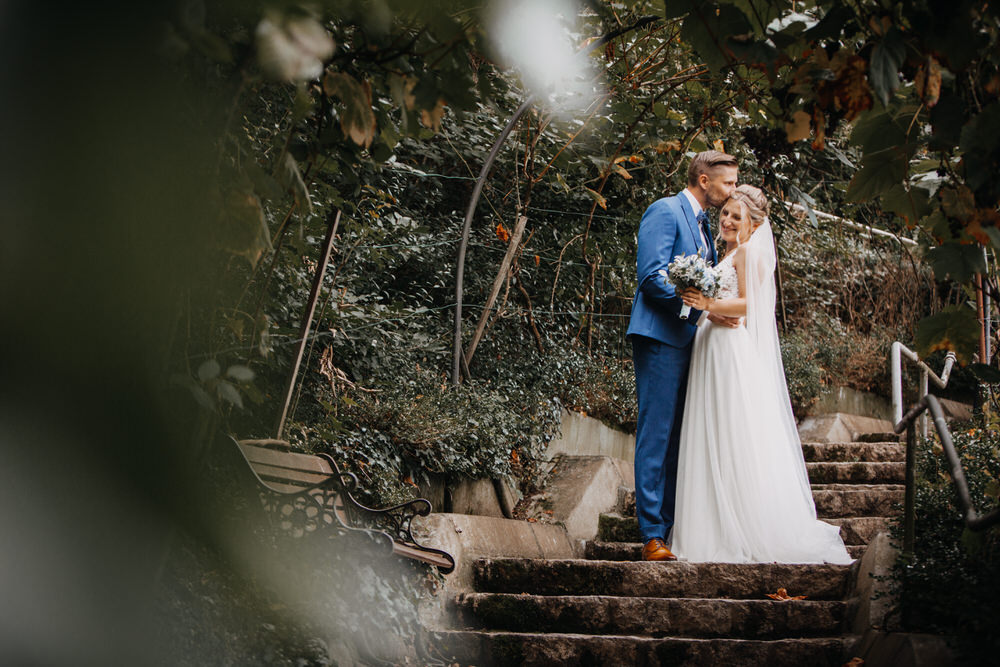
(692, 271)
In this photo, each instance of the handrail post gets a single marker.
(909, 506)
(896, 363)
(924, 390)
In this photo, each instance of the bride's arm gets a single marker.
(734, 307)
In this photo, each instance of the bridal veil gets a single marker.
(761, 261)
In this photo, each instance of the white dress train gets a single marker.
(742, 491)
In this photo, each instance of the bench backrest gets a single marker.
(283, 470)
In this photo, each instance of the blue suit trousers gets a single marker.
(661, 373)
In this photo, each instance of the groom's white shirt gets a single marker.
(696, 207)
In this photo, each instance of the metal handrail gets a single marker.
(973, 520)
(895, 355)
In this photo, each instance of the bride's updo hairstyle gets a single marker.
(754, 202)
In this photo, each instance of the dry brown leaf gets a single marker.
(783, 596)
(798, 128)
(621, 171)
(432, 117)
(502, 233)
(928, 82)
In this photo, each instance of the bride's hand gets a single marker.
(696, 299)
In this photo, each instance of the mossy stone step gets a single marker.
(857, 530)
(860, 472)
(501, 649)
(653, 617)
(861, 529)
(664, 580)
(594, 550)
(853, 451)
(854, 500)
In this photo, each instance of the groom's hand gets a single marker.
(723, 321)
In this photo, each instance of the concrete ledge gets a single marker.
(840, 427)
(585, 436)
(881, 644)
(578, 491)
(903, 649)
(468, 538)
(872, 588)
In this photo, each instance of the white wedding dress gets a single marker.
(743, 495)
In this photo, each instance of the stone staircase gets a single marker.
(612, 609)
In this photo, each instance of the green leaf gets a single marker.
(230, 394)
(242, 227)
(947, 119)
(960, 261)
(955, 328)
(209, 370)
(833, 23)
(762, 12)
(937, 224)
(980, 139)
(290, 177)
(677, 8)
(911, 205)
(709, 28)
(994, 235)
(878, 174)
(958, 202)
(240, 373)
(357, 120)
(883, 71)
(877, 131)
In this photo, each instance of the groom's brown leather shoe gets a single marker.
(655, 549)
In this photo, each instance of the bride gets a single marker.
(743, 495)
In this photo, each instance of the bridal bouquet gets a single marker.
(692, 271)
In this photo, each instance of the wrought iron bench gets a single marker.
(304, 494)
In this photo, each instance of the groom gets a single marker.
(661, 340)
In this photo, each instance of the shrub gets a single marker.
(952, 583)
(803, 373)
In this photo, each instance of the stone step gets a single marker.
(653, 617)
(571, 650)
(861, 529)
(853, 451)
(854, 529)
(617, 528)
(888, 436)
(857, 500)
(837, 491)
(861, 472)
(633, 550)
(664, 580)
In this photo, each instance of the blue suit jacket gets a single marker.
(668, 229)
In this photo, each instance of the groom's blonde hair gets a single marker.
(706, 161)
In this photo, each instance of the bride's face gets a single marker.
(734, 222)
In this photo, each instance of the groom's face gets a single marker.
(719, 183)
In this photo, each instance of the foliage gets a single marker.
(952, 582)
(919, 83)
(397, 167)
(803, 374)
